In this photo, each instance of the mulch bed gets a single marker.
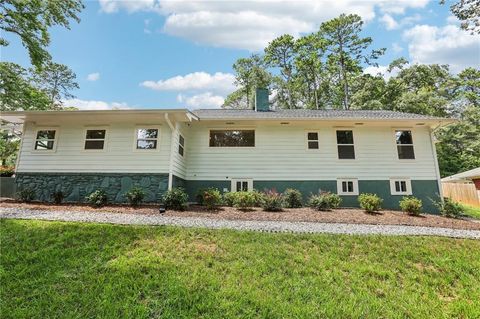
(344, 215)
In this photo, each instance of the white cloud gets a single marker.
(443, 45)
(94, 105)
(93, 76)
(381, 70)
(389, 22)
(218, 82)
(206, 100)
(252, 24)
(396, 47)
(392, 24)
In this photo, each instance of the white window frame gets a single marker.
(394, 132)
(347, 179)
(353, 144)
(95, 128)
(55, 140)
(180, 145)
(408, 184)
(146, 127)
(307, 140)
(233, 186)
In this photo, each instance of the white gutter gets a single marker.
(437, 169)
(172, 150)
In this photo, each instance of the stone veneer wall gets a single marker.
(76, 186)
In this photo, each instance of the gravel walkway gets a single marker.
(266, 226)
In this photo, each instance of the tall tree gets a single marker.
(348, 50)
(250, 73)
(17, 92)
(311, 73)
(280, 53)
(468, 12)
(30, 20)
(57, 81)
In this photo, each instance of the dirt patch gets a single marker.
(344, 215)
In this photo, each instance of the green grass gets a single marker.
(73, 270)
(471, 211)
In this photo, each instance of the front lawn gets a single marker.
(472, 211)
(74, 270)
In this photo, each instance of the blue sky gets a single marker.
(170, 54)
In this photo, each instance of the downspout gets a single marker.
(172, 150)
(20, 148)
(437, 169)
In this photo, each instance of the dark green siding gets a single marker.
(194, 186)
(426, 190)
(76, 186)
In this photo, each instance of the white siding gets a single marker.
(179, 162)
(119, 154)
(280, 153)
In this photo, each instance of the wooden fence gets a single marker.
(461, 192)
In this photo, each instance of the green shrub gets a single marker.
(199, 196)
(293, 198)
(411, 205)
(57, 197)
(259, 197)
(370, 202)
(272, 201)
(325, 201)
(7, 171)
(229, 198)
(97, 199)
(245, 200)
(26, 194)
(211, 197)
(175, 199)
(135, 196)
(449, 208)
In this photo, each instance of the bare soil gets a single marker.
(343, 215)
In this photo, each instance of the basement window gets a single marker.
(312, 140)
(147, 138)
(404, 144)
(95, 139)
(346, 149)
(400, 186)
(232, 138)
(45, 140)
(181, 145)
(347, 186)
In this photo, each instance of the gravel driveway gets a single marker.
(266, 226)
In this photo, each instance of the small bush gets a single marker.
(7, 171)
(135, 196)
(411, 205)
(199, 196)
(449, 208)
(259, 197)
(325, 201)
(211, 197)
(58, 197)
(272, 201)
(245, 200)
(26, 194)
(229, 198)
(175, 199)
(293, 198)
(370, 202)
(97, 199)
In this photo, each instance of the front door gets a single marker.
(242, 185)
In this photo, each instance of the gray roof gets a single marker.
(222, 114)
(471, 174)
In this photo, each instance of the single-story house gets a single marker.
(350, 152)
